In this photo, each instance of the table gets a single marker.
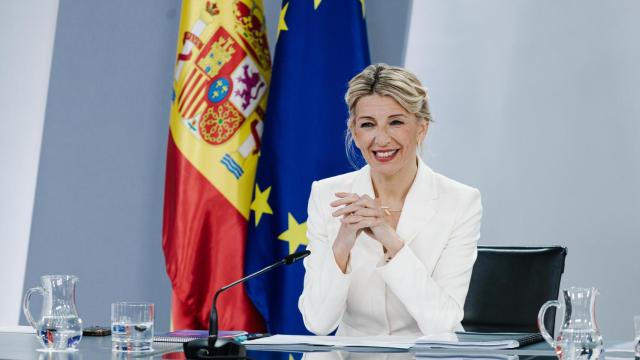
(23, 346)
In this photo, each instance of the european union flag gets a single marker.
(321, 45)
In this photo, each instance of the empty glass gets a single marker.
(132, 326)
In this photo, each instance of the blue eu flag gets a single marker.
(321, 45)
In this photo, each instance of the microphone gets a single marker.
(214, 348)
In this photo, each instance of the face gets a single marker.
(387, 135)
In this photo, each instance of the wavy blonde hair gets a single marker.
(385, 80)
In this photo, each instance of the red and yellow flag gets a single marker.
(222, 72)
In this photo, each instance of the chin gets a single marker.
(385, 169)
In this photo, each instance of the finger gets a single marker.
(357, 222)
(351, 219)
(364, 225)
(367, 223)
(365, 196)
(367, 212)
(344, 197)
(355, 217)
(367, 201)
(360, 221)
(346, 210)
(344, 201)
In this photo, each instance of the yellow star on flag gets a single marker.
(282, 25)
(260, 204)
(316, 3)
(296, 235)
(362, 2)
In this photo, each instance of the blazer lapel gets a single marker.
(362, 183)
(419, 205)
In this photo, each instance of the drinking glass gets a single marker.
(132, 326)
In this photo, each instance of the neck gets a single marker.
(392, 189)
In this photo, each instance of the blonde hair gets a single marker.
(385, 80)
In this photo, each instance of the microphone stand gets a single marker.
(216, 348)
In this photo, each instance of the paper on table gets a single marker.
(391, 342)
(419, 355)
(17, 329)
(471, 341)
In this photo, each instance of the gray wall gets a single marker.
(536, 103)
(387, 27)
(98, 206)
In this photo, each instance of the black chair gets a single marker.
(509, 285)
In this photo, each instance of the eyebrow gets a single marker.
(366, 117)
(397, 115)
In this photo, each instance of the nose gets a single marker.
(382, 137)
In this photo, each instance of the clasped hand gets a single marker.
(362, 213)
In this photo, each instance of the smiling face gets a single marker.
(387, 135)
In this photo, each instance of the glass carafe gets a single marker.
(578, 336)
(58, 328)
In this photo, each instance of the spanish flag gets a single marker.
(222, 72)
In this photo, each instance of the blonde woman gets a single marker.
(392, 244)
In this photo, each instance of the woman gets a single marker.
(392, 244)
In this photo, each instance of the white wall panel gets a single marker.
(27, 29)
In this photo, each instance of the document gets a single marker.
(389, 342)
(473, 340)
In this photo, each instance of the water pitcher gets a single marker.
(578, 337)
(58, 328)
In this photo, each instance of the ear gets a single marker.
(423, 128)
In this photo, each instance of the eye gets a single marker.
(396, 122)
(366, 124)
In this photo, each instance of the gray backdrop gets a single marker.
(536, 103)
(98, 205)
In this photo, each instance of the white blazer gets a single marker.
(421, 290)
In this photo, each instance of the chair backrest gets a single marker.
(509, 285)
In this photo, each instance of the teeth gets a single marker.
(384, 154)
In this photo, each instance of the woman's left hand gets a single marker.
(363, 208)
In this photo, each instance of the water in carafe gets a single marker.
(578, 337)
(579, 344)
(58, 327)
(60, 332)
